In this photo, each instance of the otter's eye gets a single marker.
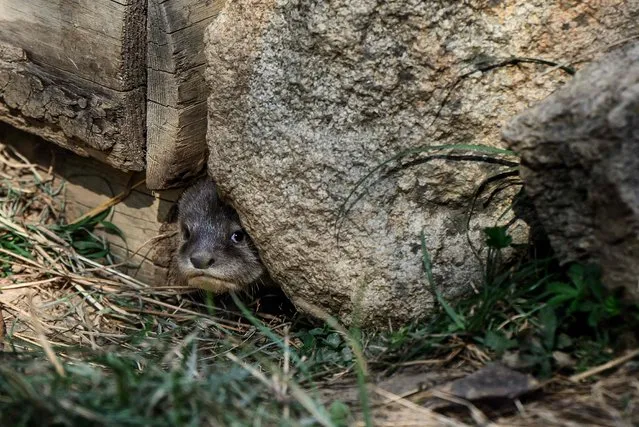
(185, 232)
(238, 236)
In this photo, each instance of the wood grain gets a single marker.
(176, 97)
(73, 72)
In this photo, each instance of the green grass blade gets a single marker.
(450, 311)
(345, 207)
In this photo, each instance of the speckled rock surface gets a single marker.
(308, 96)
(580, 165)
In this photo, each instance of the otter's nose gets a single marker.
(202, 260)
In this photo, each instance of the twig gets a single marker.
(430, 415)
(109, 203)
(478, 416)
(88, 297)
(598, 369)
(29, 284)
(46, 346)
(128, 279)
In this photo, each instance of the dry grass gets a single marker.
(85, 343)
(51, 290)
(60, 303)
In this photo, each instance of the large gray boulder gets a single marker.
(308, 96)
(580, 164)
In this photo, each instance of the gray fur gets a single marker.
(207, 256)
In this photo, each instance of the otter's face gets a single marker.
(215, 253)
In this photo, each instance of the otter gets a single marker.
(215, 253)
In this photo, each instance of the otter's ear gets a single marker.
(207, 181)
(219, 197)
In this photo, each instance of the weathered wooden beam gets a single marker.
(73, 72)
(176, 97)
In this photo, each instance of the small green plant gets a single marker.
(12, 242)
(81, 235)
(325, 347)
(533, 309)
(458, 321)
(583, 293)
(497, 239)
